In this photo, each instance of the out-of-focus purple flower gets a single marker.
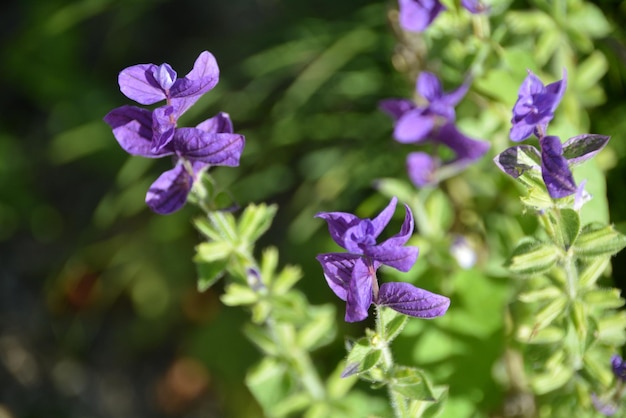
(535, 106)
(605, 408)
(619, 367)
(352, 275)
(417, 15)
(433, 122)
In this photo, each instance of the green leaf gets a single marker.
(210, 273)
(570, 226)
(254, 221)
(612, 329)
(391, 187)
(338, 386)
(206, 228)
(547, 43)
(269, 382)
(528, 22)
(549, 313)
(237, 294)
(591, 270)
(224, 224)
(591, 70)
(548, 335)
(547, 293)
(596, 240)
(320, 330)
(552, 380)
(258, 335)
(532, 257)
(603, 299)
(291, 404)
(356, 356)
(411, 383)
(207, 252)
(439, 211)
(394, 323)
(286, 279)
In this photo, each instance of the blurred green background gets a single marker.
(99, 313)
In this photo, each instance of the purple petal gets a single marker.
(359, 295)
(165, 76)
(169, 192)
(554, 169)
(413, 301)
(455, 96)
(163, 126)
(512, 163)
(531, 85)
(359, 236)
(520, 131)
(417, 15)
(396, 107)
(338, 269)
(558, 90)
(138, 83)
(380, 222)
(413, 126)
(214, 149)
(605, 408)
(619, 367)
(338, 224)
(406, 230)
(218, 124)
(581, 196)
(464, 147)
(474, 6)
(583, 147)
(132, 128)
(421, 168)
(202, 78)
(429, 86)
(400, 258)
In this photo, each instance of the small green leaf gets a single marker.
(206, 228)
(258, 335)
(596, 240)
(547, 293)
(254, 221)
(286, 279)
(603, 299)
(207, 252)
(612, 329)
(320, 330)
(549, 313)
(338, 386)
(591, 270)
(391, 187)
(290, 404)
(356, 356)
(411, 383)
(269, 382)
(547, 335)
(237, 294)
(224, 224)
(210, 273)
(551, 380)
(591, 70)
(394, 323)
(570, 226)
(532, 257)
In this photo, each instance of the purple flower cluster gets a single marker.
(432, 122)
(609, 405)
(155, 133)
(352, 275)
(533, 110)
(417, 15)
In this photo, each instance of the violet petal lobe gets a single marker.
(400, 258)
(417, 15)
(557, 90)
(618, 365)
(169, 192)
(163, 126)
(214, 149)
(583, 147)
(554, 169)
(515, 161)
(338, 269)
(165, 75)
(359, 296)
(464, 147)
(429, 86)
(474, 6)
(219, 123)
(396, 107)
(338, 224)
(132, 128)
(137, 82)
(382, 219)
(405, 231)
(202, 78)
(414, 126)
(421, 168)
(413, 301)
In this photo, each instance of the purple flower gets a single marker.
(352, 275)
(417, 15)
(149, 83)
(555, 161)
(619, 367)
(535, 106)
(155, 134)
(605, 408)
(433, 122)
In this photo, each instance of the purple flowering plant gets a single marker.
(155, 133)
(352, 275)
(433, 122)
(418, 15)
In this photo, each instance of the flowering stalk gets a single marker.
(568, 325)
